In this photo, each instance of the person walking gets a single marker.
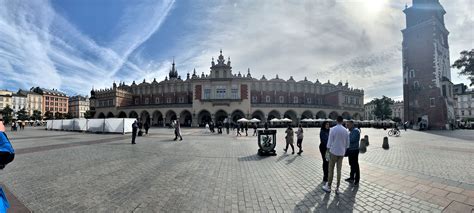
(177, 131)
(323, 137)
(353, 153)
(146, 126)
(134, 131)
(238, 129)
(254, 129)
(227, 127)
(289, 139)
(246, 129)
(299, 139)
(338, 142)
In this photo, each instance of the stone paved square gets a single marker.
(57, 171)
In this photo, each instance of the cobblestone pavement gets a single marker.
(67, 171)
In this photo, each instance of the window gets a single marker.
(346, 99)
(267, 99)
(181, 99)
(282, 99)
(168, 100)
(432, 102)
(308, 100)
(444, 90)
(207, 93)
(462, 112)
(416, 85)
(254, 98)
(157, 100)
(136, 101)
(412, 73)
(220, 92)
(235, 93)
(295, 99)
(147, 100)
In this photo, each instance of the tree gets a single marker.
(466, 64)
(89, 114)
(48, 115)
(69, 115)
(36, 115)
(7, 113)
(22, 115)
(382, 107)
(58, 115)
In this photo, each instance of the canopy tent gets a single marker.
(286, 120)
(307, 120)
(275, 120)
(243, 120)
(254, 120)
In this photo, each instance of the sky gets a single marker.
(77, 45)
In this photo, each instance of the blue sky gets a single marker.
(74, 45)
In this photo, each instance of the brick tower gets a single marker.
(427, 87)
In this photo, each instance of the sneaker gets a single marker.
(337, 190)
(350, 180)
(293, 153)
(326, 188)
(284, 150)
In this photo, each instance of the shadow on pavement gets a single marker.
(253, 157)
(320, 200)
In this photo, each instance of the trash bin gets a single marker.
(266, 142)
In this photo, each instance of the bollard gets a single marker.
(385, 143)
(362, 147)
(366, 139)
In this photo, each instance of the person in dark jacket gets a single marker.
(134, 131)
(246, 129)
(323, 137)
(254, 129)
(353, 153)
(147, 127)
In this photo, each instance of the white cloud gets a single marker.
(40, 47)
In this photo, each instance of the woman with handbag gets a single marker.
(289, 139)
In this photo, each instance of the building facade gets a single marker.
(397, 110)
(369, 111)
(52, 100)
(34, 102)
(78, 105)
(221, 94)
(427, 87)
(18, 102)
(5, 99)
(464, 103)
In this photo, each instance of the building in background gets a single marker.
(427, 87)
(464, 103)
(5, 99)
(369, 111)
(18, 102)
(78, 105)
(397, 110)
(33, 101)
(222, 95)
(52, 100)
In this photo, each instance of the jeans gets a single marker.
(354, 163)
(299, 143)
(323, 149)
(332, 162)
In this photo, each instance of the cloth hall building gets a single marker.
(221, 94)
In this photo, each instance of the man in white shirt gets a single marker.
(338, 142)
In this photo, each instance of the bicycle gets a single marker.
(394, 132)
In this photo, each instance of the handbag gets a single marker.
(327, 155)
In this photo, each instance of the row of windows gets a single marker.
(221, 93)
(281, 100)
(55, 104)
(351, 100)
(55, 109)
(290, 87)
(468, 112)
(106, 103)
(160, 89)
(157, 100)
(55, 99)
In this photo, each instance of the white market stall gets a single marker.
(101, 125)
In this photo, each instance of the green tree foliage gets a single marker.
(88, 114)
(36, 115)
(69, 115)
(58, 115)
(22, 115)
(466, 64)
(48, 115)
(7, 113)
(382, 107)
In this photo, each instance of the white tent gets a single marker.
(328, 119)
(320, 120)
(243, 120)
(286, 120)
(254, 120)
(307, 120)
(275, 120)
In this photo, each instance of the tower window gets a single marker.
(282, 99)
(267, 99)
(432, 102)
(412, 73)
(295, 99)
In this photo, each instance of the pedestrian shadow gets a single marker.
(321, 202)
(283, 156)
(291, 160)
(254, 157)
